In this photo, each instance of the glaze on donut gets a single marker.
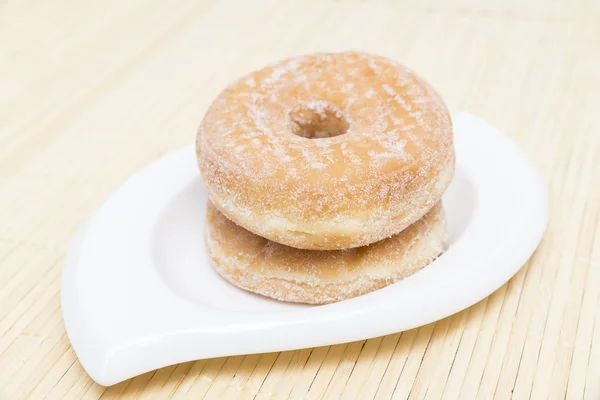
(318, 277)
(327, 151)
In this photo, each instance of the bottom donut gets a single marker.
(288, 274)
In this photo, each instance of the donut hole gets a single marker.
(318, 121)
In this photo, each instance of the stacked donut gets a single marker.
(325, 174)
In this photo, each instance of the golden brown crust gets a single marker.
(390, 167)
(318, 277)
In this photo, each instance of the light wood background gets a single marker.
(92, 91)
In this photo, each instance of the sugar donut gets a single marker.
(327, 151)
(318, 277)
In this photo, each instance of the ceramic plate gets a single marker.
(138, 292)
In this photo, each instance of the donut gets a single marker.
(296, 275)
(326, 151)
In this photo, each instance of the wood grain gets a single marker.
(90, 92)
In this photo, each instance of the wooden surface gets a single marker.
(92, 91)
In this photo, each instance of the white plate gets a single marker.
(138, 292)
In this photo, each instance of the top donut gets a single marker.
(327, 151)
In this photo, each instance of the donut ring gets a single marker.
(318, 277)
(327, 151)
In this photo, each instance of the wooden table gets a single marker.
(92, 91)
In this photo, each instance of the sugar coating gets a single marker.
(318, 277)
(387, 170)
